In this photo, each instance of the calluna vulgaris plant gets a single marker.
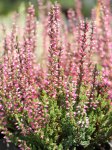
(65, 103)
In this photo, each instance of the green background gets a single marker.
(6, 6)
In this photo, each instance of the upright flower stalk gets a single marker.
(55, 50)
(82, 54)
(104, 42)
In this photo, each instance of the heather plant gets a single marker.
(64, 104)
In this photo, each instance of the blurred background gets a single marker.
(8, 6)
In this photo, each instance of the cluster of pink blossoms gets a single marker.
(79, 64)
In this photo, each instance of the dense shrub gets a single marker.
(66, 102)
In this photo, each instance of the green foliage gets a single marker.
(63, 130)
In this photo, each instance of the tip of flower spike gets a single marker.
(31, 9)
